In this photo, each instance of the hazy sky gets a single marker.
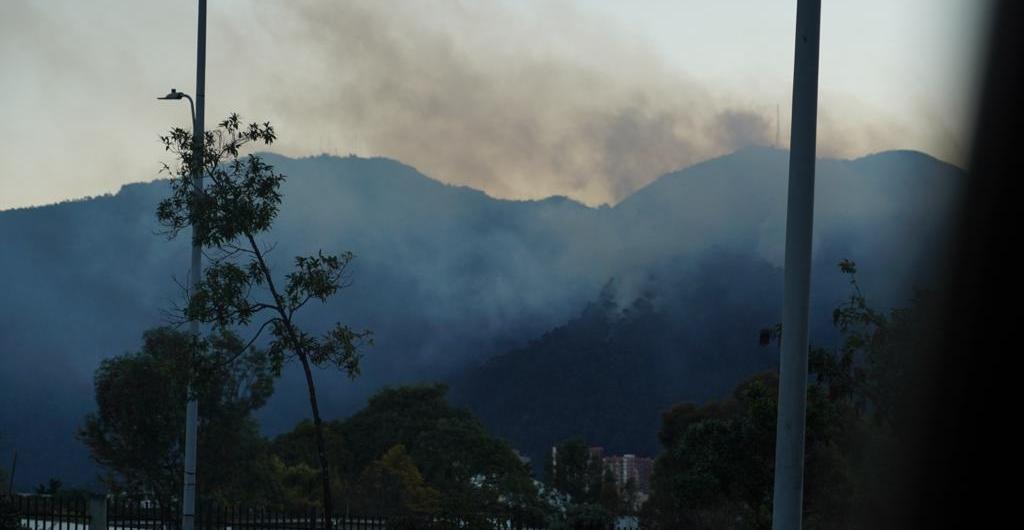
(522, 99)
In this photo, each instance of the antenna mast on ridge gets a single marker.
(777, 125)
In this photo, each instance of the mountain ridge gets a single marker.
(445, 275)
(131, 186)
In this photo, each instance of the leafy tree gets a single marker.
(575, 471)
(394, 485)
(717, 466)
(871, 369)
(594, 496)
(228, 217)
(295, 487)
(297, 451)
(609, 493)
(136, 432)
(861, 402)
(473, 473)
(719, 462)
(456, 455)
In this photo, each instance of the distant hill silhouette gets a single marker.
(449, 277)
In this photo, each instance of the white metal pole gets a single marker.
(188, 504)
(789, 442)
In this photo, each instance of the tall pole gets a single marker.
(778, 126)
(789, 440)
(188, 504)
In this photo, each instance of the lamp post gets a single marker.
(188, 501)
(192, 406)
(174, 95)
(787, 502)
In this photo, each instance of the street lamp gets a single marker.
(192, 406)
(188, 499)
(174, 95)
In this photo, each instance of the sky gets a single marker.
(521, 99)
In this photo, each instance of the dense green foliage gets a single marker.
(136, 434)
(410, 452)
(716, 469)
(717, 465)
(393, 484)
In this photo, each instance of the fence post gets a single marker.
(98, 512)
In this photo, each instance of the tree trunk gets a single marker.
(293, 335)
(320, 448)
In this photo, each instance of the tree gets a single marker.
(394, 485)
(136, 432)
(575, 472)
(717, 464)
(237, 207)
(609, 493)
(474, 473)
(595, 497)
(717, 461)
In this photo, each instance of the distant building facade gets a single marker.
(624, 468)
(629, 467)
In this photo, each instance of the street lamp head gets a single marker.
(173, 94)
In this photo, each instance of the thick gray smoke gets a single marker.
(518, 108)
(520, 100)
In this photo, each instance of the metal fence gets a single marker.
(128, 514)
(40, 512)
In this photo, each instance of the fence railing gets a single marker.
(40, 512)
(127, 514)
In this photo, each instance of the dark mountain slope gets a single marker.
(446, 276)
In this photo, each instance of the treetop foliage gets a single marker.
(242, 196)
(135, 433)
(717, 465)
(409, 451)
(228, 214)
